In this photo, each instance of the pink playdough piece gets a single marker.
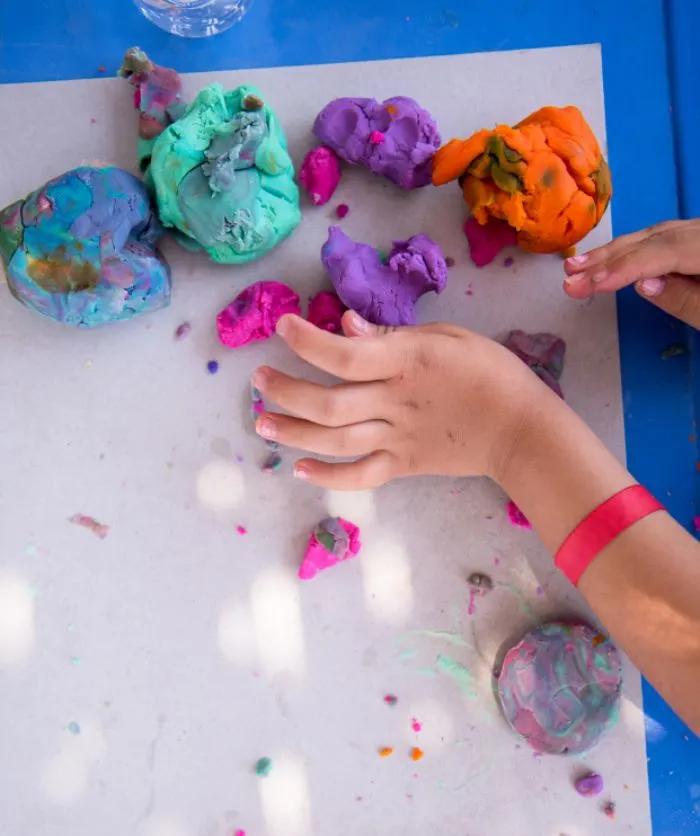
(486, 241)
(320, 174)
(341, 542)
(253, 314)
(516, 516)
(325, 311)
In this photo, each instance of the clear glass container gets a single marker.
(194, 18)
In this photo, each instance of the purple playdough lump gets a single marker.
(385, 294)
(253, 314)
(326, 311)
(320, 174)
(487, 240)
(543, 353)
(589, 785)
(396, 138)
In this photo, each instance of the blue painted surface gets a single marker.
(64, 39)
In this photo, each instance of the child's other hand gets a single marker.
(658, 261)
(434, 399)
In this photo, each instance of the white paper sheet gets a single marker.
(185, 651)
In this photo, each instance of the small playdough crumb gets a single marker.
(508, 262)
(416, 726)
(342, 210)
(559, 690)
(396, 139)
(516, 516)
(212, 367)
(610, 810)
(449, 261)
(333, 541)
(325, 311)
(487, 240)
(182, 330)
(272, 463)
(391, 700)
(239, 833)
(416, 753)
(589, 785)
(73, 728)
(98, 529)
(696, 524)
(385, 294)
(263, 767)
(480, 583)
(673, 350)
(320, 174)
(385, 751)
(254, 313)
(241, 529)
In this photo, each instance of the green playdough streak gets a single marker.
(453, 668)
(223, 177)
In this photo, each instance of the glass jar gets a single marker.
(194, 18)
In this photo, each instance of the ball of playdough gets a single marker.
(331, 542)
(385, 294)
(396, 138)
(254, 313)
(559, 687)
(223, 178)
(81, 249)
(545, 176)
(320, 174)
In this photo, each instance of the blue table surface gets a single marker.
(651, 65)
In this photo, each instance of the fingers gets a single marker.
(335, 406)
(666, 248)
(343, 442)
(676, 295)
(370, 472)
(368, 359)
(355, 326)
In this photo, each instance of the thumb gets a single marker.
(355, 326)
(677, 295)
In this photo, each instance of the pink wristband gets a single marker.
(601, 527)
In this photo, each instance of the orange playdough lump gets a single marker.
(545, 176)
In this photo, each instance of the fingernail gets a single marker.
(300, 473)
(359, 324)
(599, 277)
(651, 287)
(259, 379)
(575, 279)
(577, 260)
(266, 428)
(282, 326)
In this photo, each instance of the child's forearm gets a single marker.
(645, 586)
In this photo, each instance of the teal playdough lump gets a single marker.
(223, 178)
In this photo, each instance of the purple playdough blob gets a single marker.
(559, 687)
(385, 294)
(254, 313)
(396, 138)
(543, 353)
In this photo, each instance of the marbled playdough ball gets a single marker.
(82, 248)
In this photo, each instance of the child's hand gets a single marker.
(658, 261)
(435, 399)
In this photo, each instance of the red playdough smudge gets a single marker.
(98, 529)
(487, 240)
(516, 516)
(254, 313)
(326, 311)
